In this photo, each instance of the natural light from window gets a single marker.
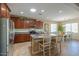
(53, 27)
(71, 27)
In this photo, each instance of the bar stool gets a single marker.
(45, 45)
(56, 45)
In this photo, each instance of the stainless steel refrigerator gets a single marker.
(7, 34)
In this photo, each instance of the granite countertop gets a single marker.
(37, 36)
(24, 31)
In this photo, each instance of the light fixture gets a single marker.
(42, 10)
(33, 10)
(3, 9)
(60, 11)
(21, 12)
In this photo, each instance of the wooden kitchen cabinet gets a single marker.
(29, 24)
(25, 24)
(33, 24)
(22, 38)
(39, 24)
(19, 38)
(19, 24)
(4, 10)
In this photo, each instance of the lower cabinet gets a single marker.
(22, 38)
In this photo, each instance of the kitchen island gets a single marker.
(37, 38)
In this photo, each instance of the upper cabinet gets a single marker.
(29, 23)
(26, 23)
(39, 24)
(4, 10)
(19, 23)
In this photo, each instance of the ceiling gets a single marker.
(53, 11)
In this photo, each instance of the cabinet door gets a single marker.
(32, 23)
(39, 24)
(20, 38)
(26, 24)
(29, 23)
(19, 24)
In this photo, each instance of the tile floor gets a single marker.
(21, 49)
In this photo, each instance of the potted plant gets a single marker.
(60, 29)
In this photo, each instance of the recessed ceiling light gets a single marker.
(60, 11)
(21, 12)
(42, 10)
(33, 10)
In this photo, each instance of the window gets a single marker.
(72, 27)
(68, 28)
(53, 27)
(75, 27)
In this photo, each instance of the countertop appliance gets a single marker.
(6, 36)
